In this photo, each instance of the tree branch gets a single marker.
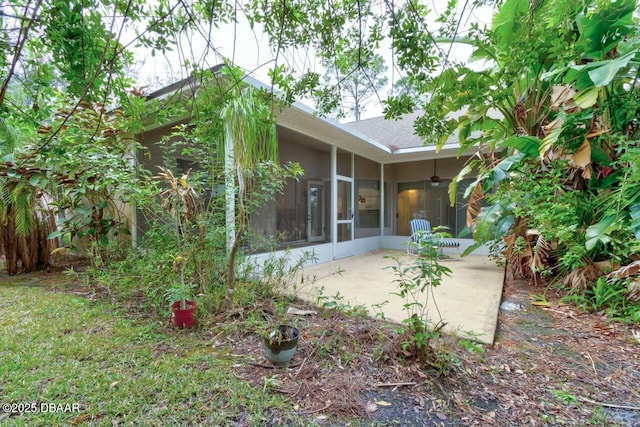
(22, 39)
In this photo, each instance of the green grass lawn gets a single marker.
(114, 369)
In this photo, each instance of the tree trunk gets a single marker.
(231, 270)
(10, 243)
(26, 253)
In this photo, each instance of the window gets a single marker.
(368, 194)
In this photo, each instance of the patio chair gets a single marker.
(421, 231)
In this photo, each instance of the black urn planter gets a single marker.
(280, 344)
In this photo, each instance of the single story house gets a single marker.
(363, 182)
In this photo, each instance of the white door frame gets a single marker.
(351, 209)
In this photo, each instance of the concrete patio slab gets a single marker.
(468, 301)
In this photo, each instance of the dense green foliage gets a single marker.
(66, 153)
(566, 134)
(567, 140)
(73, 157)
(550, 107)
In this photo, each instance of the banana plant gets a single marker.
(563, 106)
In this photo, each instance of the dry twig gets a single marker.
(318, 410)
(609, 405)
(394, 384)
(593, 365)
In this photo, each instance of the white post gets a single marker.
(353, 196)
(334, 200)
(382, 200)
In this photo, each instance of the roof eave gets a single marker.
(303, 119)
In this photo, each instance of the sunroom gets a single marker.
(362, 184)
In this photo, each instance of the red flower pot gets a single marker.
(183, 319)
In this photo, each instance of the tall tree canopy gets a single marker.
(356, 86)
(65, 151)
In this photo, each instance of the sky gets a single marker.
(249, 49)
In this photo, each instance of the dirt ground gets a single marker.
(550, 365)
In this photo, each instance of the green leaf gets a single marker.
(54, 234)
(608, 181)
(66, 239)
(467, 231)
(605, 71)
(494, 177)
(13, 174)
(577, 78)
(510, 161)
(464, 130)
(601, 231)
(507, 22)
(34, 180)
(599, 156)
(605, 26)
(635, 216)
(587, 97)
(490, 224)
(504, 225)
(530, 145)
(453, 186)
(472, 248)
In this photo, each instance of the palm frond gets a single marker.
(625, 271)
(23, 209)
(540, 254)
(5, 200)
(250, 124)
(9, 138)
(580, 278)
